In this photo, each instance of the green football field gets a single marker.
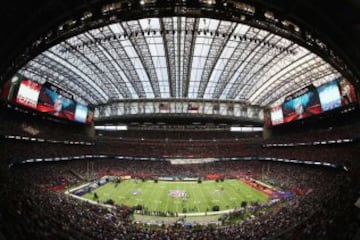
(169, 196)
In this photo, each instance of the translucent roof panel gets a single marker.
(179, 57)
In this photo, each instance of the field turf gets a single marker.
(201, 197)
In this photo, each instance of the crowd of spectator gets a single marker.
(343, 154)
(330, 133)
(154, 148)
(32, 210)
(179, 134)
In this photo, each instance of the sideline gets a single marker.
(69, 193)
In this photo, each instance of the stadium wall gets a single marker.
(14, 120)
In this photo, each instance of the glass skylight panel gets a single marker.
(201, 49)
(130, 51)
(202, 39)
(178, 65)
(74, 41)
(201, 52)
(74, 69)
(219, 69)
(241, 29)
(215, 76)
(232, 63)
(285, 70)
(226, 91)
(211, 88)
(221, 63)
(137, 63)
(213, 24)
(269, 71)
(116, 28)
(118, 71)
(156, 48)
(281, 42)
(232, 44)
(162, 75)
(226, 26)
(145, 81)
(155, 39)
(132, 24)
(195, 81)
(128, 83)
(239, 71)
(149, 23)
(93, 32)
(164, 92)
(283, 62)
(160, 62)
(257, 66)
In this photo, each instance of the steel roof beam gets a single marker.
(251, 61)
(84, 61)
(128, 68)
(58, 67)
(142, 49)
(189, 45)
(234, 63)
(217, 47)
(169, 47)
(115, 92)
(265, 60)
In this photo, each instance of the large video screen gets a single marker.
(55, 104)
(81, 113)
(28, 94)
(329, 96)
(311, 101)
(68, 109)
(301, 107)
(276, 114)
(47, 99)
(347, 91)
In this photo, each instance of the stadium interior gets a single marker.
(180, 119)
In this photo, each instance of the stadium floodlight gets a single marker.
(112, 128)
(14, 79)
(246, 129)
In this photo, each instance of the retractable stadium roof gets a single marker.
(179, 57)
(215, 50)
